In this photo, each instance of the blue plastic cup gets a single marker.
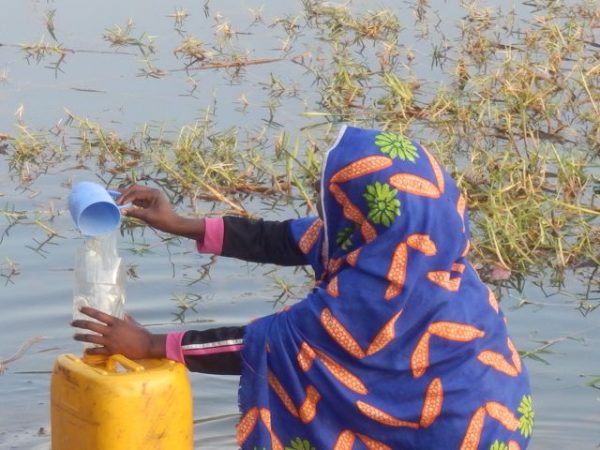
(93, 208)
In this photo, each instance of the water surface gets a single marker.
(107, 88)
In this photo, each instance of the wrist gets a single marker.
(158, 345)
(192, 228)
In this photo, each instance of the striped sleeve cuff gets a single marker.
(173, 347)
(213, 236)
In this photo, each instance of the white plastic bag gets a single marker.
(99, 277)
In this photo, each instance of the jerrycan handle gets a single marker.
(111, 364)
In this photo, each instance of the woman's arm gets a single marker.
(246, 239)
(215, 351)
(261, 241)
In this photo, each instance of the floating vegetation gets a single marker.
(510, 105)
(4, 362)
(192, 51)
(185, 302)
(9, 270)
(179, 16)
(37, 51)
(120, 36)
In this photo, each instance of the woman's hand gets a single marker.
(154, 208)
(125, 337)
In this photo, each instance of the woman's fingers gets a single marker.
(91, 338)
(137, 195)
(89, 325)
(98, 351)
(98, 315)
(137, 213)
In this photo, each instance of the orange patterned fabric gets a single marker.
(455, 331)
(351, 212)
(399, 344)
(362, 167)
(310, 237)
(437, 171)
(422, 243)
(382, 417)
(337, 331)
(343, 375)
(372, 444)
(461, 206)
(308, 409)
(414, 184)
(502, 414)
(419, 360)
(473, 434)
(513, 445)
(333, 287)
(334, 265)
(246, 425)
(443, 280)
(352, 257)
(492, 300)
(498, 362)
(452, 331)
(432, 405)
(265, 416)
(397, 272)
(282, 394)
(345, 441)
(385, 335)
(516, 359)
(306, 357)
(496, 411)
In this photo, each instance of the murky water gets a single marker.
(107, 88)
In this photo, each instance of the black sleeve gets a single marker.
(216, 351)
(261, 241)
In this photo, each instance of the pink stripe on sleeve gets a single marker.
(214, 350)
(173, 347)
(213, 236)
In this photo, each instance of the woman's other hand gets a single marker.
(114, 335)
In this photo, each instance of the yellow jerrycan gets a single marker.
(115, 403)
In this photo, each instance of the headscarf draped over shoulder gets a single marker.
(399, 345)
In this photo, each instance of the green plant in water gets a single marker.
(9, 270)
(383, 205)
(185, 302)
(119, 36)
(396, 146)
(192, 50)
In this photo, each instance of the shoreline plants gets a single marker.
(511, 106)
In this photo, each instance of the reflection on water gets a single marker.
(120, 90)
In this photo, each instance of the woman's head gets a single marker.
(379, 188)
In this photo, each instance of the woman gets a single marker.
(398, 346)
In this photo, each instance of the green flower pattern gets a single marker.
(499, 445)
(300, 444)
(343, 238)
(396, 146)
(384, 207)
(527, 415)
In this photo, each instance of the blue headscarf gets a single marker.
(399, 345)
